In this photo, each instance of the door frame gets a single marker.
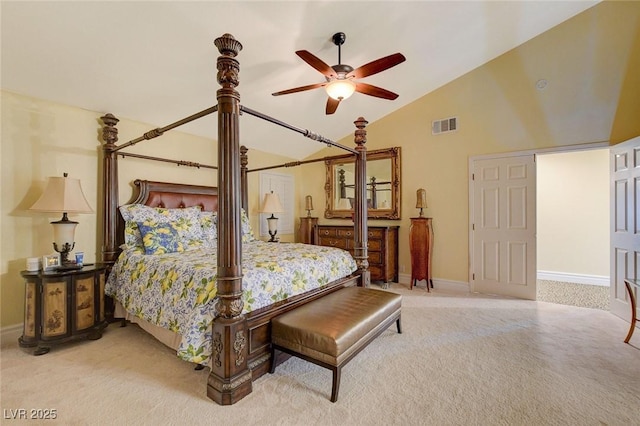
(534, 152)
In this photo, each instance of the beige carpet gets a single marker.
(584, 295)
(462, 360)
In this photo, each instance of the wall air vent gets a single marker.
(444, 126)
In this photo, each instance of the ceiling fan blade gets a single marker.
(332, 105)
(378, 92)
(316, 63)
(377, 66)
(299, 89)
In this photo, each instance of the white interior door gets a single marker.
(503, 220)
(625, 222)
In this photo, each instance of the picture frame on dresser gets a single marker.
(51, 262)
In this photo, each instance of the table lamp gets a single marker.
(63, 195)
(271, 204)
(421, 202)
(308, 205)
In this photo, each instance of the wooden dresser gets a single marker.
(383, 247)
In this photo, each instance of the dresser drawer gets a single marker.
(374, 245)
(334, 242)
(375, 233)
(346, 233)
(327, 232)
(375, 258)
(377, 272)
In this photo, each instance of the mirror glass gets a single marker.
(383, 185)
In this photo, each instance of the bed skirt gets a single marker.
(164, 336)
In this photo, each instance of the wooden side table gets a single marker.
(307, 225)
(421, 247)
(61, 306)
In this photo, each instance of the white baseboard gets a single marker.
(10, 334)
(439, 283)
(574, 278)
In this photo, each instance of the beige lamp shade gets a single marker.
(271, 204)
(62, 195)
(421, 200)
(344, 204)
(308, 204)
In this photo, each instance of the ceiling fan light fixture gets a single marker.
(340, 89)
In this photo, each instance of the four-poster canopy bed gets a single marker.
(240, 338)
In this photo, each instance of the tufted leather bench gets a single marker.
(331, 330)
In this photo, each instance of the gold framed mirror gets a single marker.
(383, 185)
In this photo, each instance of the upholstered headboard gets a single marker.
(175, 195)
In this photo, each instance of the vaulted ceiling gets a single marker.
(155, 61)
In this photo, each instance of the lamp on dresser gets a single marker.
(63, 195)
(421, 243)
(271, 204)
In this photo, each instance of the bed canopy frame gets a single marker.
(231, 374)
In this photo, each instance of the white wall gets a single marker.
(573, 216)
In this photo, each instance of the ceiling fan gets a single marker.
(340, 78)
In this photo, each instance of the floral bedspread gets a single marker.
(176, 291)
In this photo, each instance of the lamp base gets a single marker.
(273, 238)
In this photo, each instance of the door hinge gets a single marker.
(473, 226)
(473, 176)
(473, 277)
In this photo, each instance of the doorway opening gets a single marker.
(572, 229)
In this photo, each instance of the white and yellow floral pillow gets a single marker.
(209, 224)
(186, 222)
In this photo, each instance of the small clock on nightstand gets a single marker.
(61, 306)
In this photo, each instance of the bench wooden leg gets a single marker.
(399, 326)
(336, 383)
(272, 369)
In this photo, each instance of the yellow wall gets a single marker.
(572, 212)
(626, 124)
(499, 109)
(42, 139)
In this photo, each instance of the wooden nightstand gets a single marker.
(61, 306)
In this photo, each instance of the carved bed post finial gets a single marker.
(230, 378)
(361, 255)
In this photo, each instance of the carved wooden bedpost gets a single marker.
(110, 199)
(230, 378)
(244, 162)
(361, 255)
(110, 189)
